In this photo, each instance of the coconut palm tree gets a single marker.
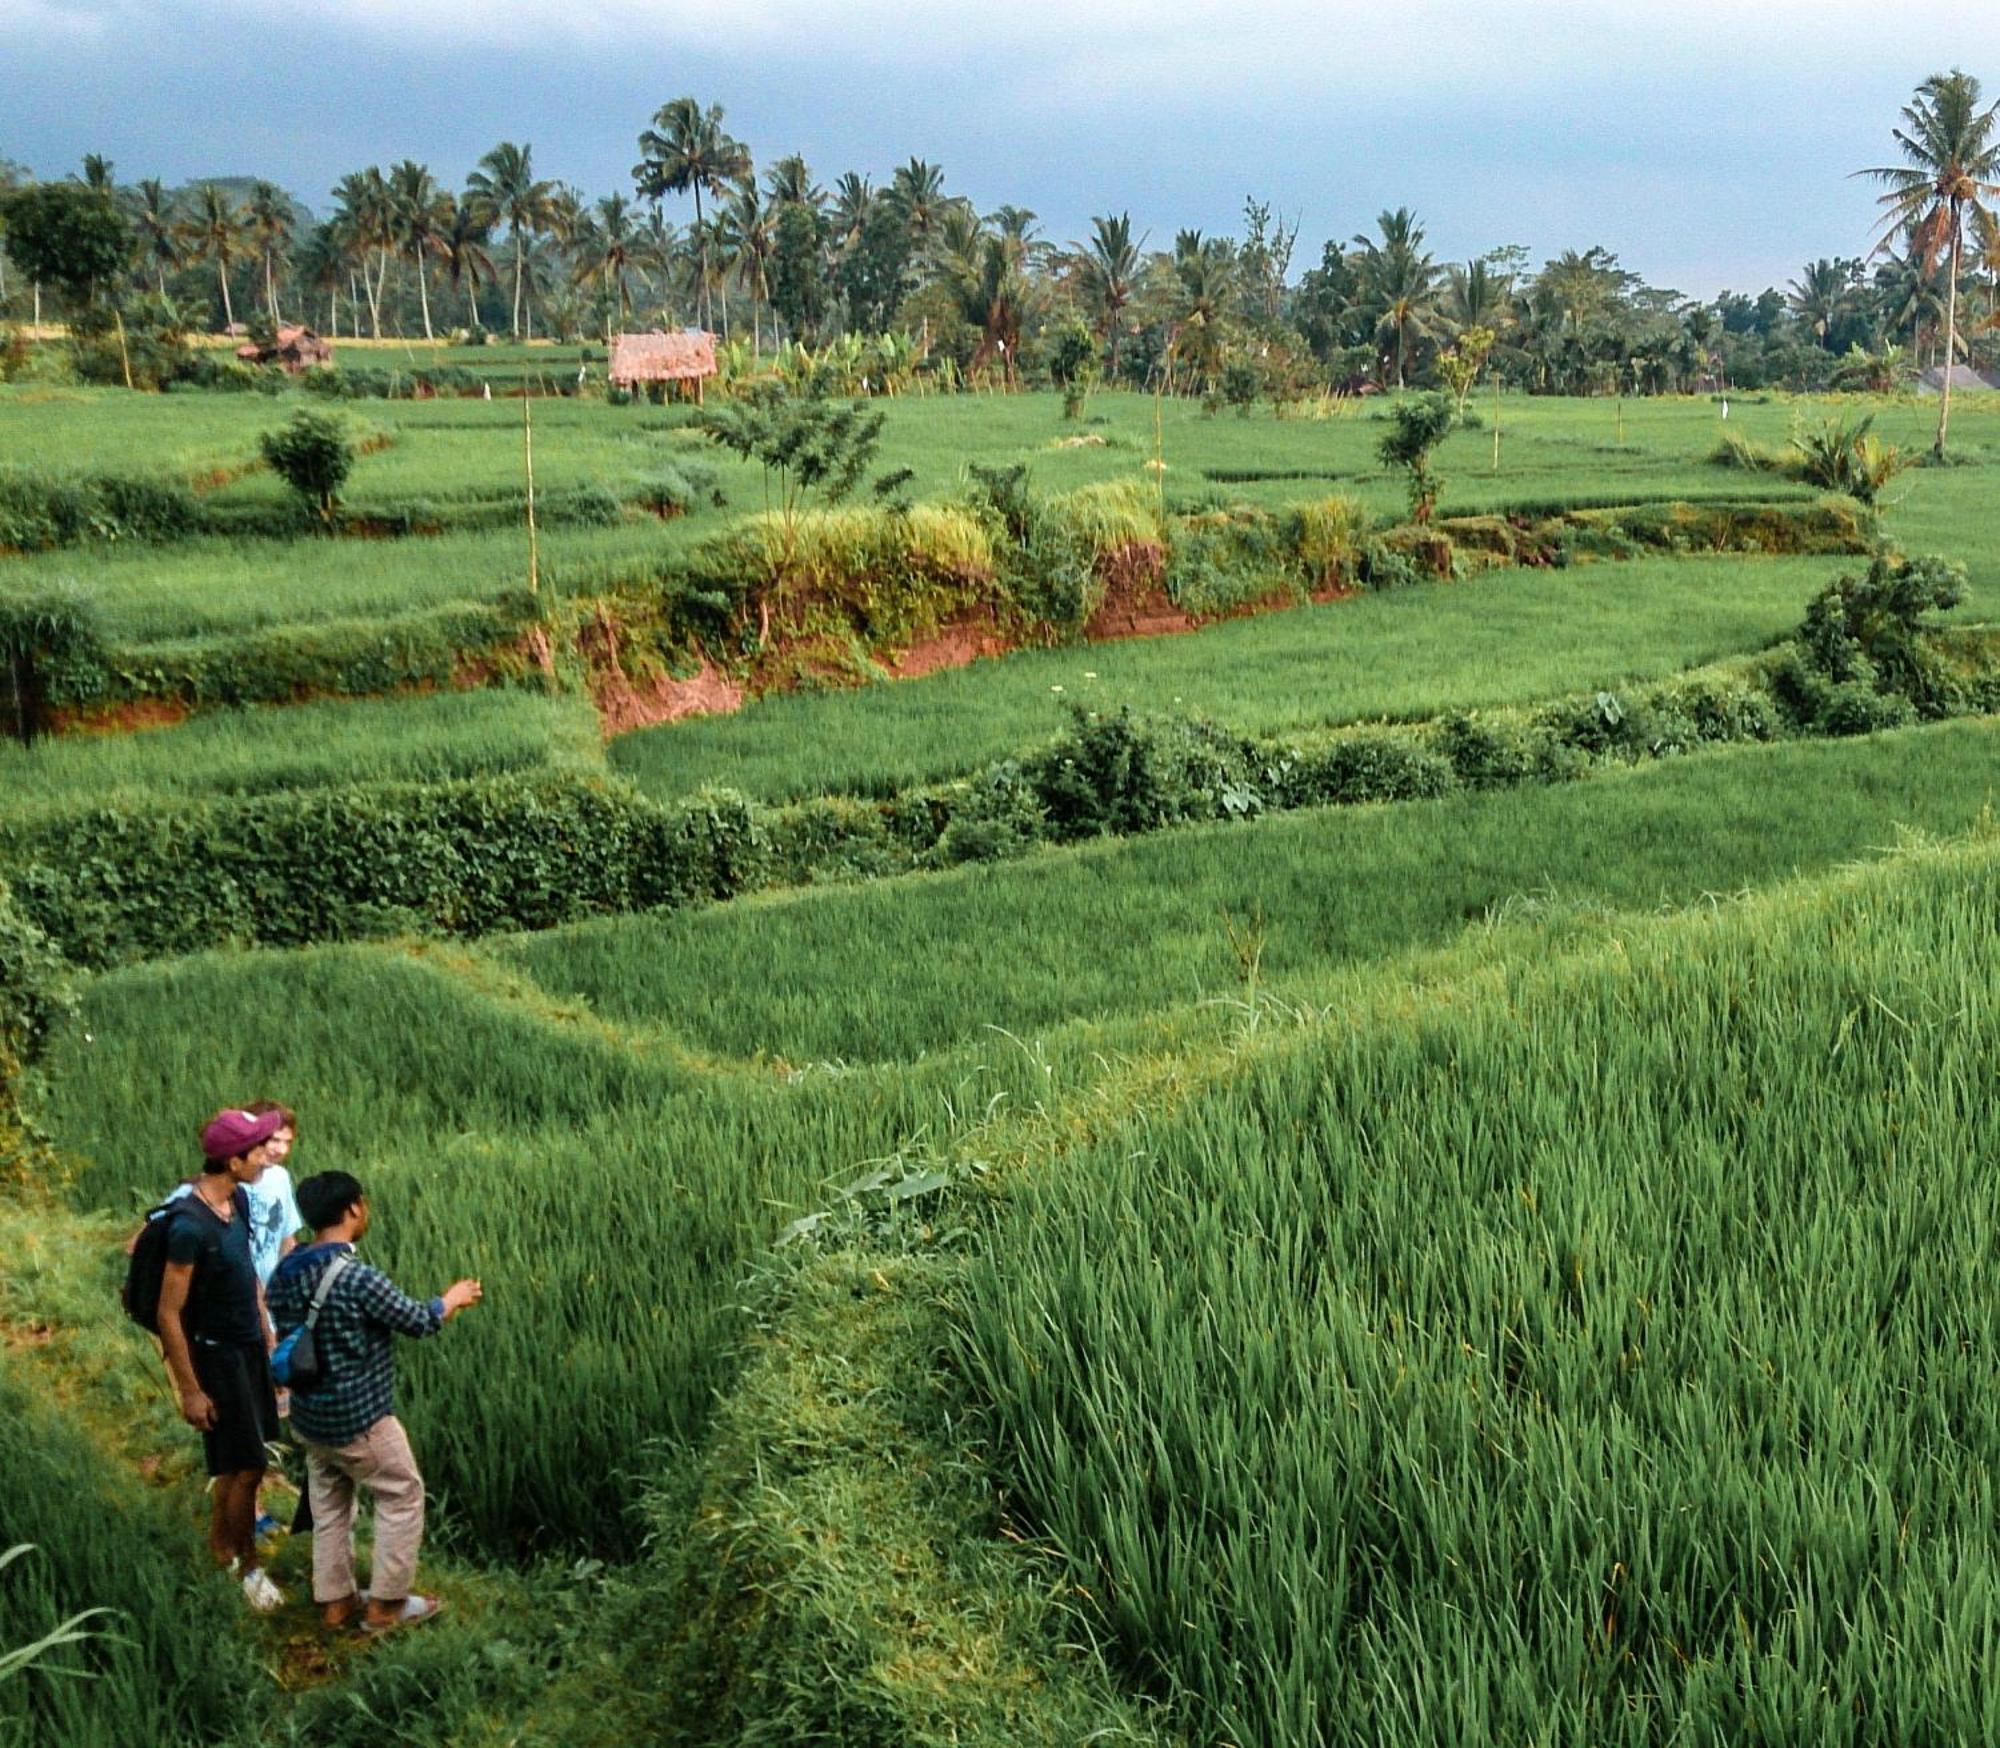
(687, 150)
(746, 235)
(268, 223)
(1477, 297)
(504, 190)
(321, 265)
(1951, 170)
(1819, 297)
(417, 217)
(854, 199)
(98, 173)
(463, 233)
(790, 180)
(157, 221)
(1399, 284)
(214, 232)
(917, 192)
(605, 247)
(1107, 269)
(365, 214)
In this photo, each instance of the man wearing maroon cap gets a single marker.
(216, 1337)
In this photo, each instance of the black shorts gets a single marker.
(236, 1377)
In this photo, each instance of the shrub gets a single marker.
(678, 487)
(1872, 627)
(1416, 427)
(1115, 772)
(49, 644)
(313, 455)
(1848, 458)
(465, 858)
(40, 511)
(1359, 765)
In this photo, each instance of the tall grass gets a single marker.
(256, 751)
(1592, 1354)
(99, 1541)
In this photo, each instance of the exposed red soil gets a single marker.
(624, 704)
(132, 718)
(963, 639)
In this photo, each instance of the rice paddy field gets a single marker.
(1503, 1267)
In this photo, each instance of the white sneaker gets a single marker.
(262, 1595)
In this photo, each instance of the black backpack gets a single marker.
(148, 1265)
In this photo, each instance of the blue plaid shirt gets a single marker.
(355, 1336)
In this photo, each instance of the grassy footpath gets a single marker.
(1505, 638)
(887, 971)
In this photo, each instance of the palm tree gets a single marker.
(790, 180)
(1399, 283)
(1108, 267)
(268, 223)
(854, 199)
(746, 233)
(605, 247)
(366, 217)
(503, 190)
(1951, 170)
(686, 151)
(1477, 297)
(917, 192)
(97, 173)
(1819, 297)
(320, 265)
(156, 219)
(417, 215)
(463, 233)
(215, 233)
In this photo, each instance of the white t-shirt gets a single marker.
(274, 1217)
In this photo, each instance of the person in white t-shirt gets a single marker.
(275, 1222)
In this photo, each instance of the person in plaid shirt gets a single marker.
(348, 1422)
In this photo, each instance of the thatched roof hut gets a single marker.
(686, 357)
(296, 349)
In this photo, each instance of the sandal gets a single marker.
(415, 1609)
(338, 1616)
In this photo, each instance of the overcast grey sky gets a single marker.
(1706, 144)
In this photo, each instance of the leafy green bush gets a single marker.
(313, 455)
(1361, 765)
(510, 852)
(39, 511)
(1116, 772)
(49, 645)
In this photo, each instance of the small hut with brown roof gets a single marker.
(640, 359)
(294, 350)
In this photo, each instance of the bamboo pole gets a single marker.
(528, 462)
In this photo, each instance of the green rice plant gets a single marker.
(607, 1190)
(260, 751)
(1123, 927)
(1589, 1352)
(1513, 638)
(101, 1543)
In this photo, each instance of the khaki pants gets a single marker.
(380, 1460)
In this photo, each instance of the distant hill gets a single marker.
(238, 189)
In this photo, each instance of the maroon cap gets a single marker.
(229, 1134)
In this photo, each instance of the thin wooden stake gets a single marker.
(528, 460)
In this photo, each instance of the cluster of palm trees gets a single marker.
(782, 254)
